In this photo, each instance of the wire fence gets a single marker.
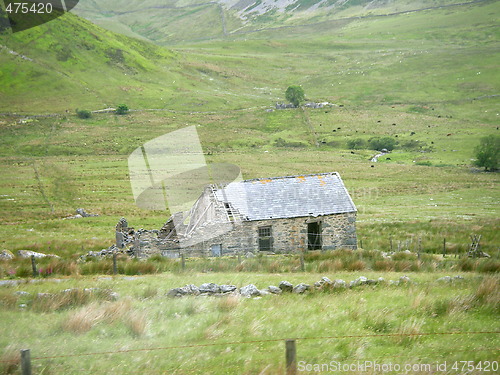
(290, 355)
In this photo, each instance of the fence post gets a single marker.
(419, 247)
(302, 265)
(239, 257)
(291, 357)
(25, 362)
(115, 267)
(33, 266)
(444, 247)
(183, 262)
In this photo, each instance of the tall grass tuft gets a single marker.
(48, 302)
(82, 320)
(489, 266)
(10, 361)
(408, 331)
(137, 323)
(488, 293)
(7, 300)
(227, 304)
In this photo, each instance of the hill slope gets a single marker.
(173, 21)
(70, 63)
(443, 56)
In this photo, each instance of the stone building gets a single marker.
(279, 215)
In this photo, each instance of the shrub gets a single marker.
(83, 113)
(356, 144)
(122, 109)
(388, 143)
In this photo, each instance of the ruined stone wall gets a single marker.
(288, 234)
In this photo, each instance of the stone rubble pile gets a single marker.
(250, 290)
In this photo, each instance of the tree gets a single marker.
(295, 95)
(488, 153)
(122, 109)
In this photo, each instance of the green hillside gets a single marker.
(70, 63)
(174, 21)
(437, 56)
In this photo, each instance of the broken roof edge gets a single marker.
(302, 216)
(295, 176)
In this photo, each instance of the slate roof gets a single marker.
(287, 197)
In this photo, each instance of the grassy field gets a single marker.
(142, 317)
(83, 163)
(429, 80)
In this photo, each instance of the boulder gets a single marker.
(285, 286)
(175, 292)
(404, 280)
(444, 279)
(28, 253)
(193, 289)
(227, 288)
(209, 288)
(22, 293)
(6, 255)
(274, 289)
(359, 281)
(325, 281)
(250, 291)
(339, 283)
(83, 213)
(301, 288)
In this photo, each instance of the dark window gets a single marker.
(265, 238)
(314, 236)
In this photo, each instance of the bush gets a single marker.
(122, 109)
(388, 143)
(356, 144)
(83, 113)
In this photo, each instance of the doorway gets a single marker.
(314, 235)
